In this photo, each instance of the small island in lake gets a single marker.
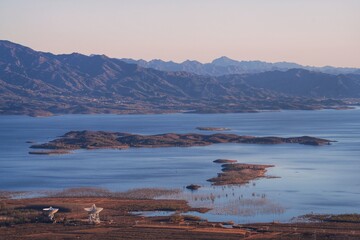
(49, 152)
(224, 161)
(193, 187)
(239, 173)
(213, 129)
(116, 140)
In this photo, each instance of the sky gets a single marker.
(309, 32)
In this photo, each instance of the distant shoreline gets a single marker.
(48, 114)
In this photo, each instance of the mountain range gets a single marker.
(226, 66)
(40, 84)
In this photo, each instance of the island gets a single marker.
(239, 173)
(49, 152)
(213, 129)
(193, 187)
(74, 140)
(224, 161)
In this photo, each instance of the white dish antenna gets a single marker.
(51, 212)
(93, 212)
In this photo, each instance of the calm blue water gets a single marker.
(322, 179)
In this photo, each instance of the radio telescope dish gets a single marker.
(51, 212)
(93, 212)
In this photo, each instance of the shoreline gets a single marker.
(347, 107)
(117, 222)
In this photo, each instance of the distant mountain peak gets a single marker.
(224, 61)
(225, 66)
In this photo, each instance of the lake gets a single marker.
(319, 179)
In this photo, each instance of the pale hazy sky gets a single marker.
(309, 32)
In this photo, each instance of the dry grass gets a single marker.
(141, 193)
(349, 218)
(10, 216)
